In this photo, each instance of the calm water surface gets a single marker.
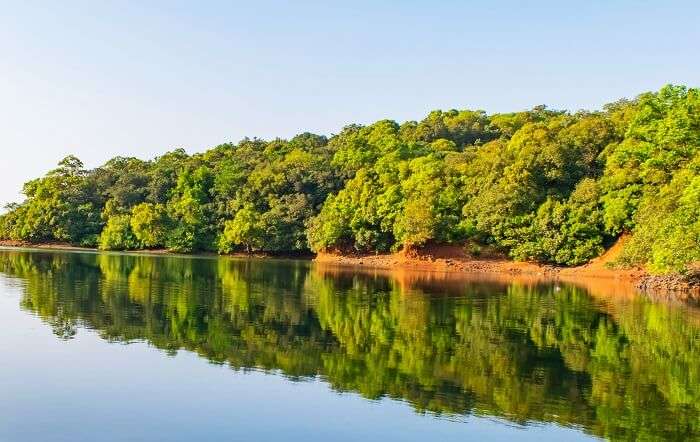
(117, 347)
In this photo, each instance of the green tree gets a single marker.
(545, 185)
(150, 224)
(117, 234)
(246, 230)
(191, 211)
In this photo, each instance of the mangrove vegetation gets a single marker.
(543, 185)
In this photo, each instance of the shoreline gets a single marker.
(9, 244)
(452, 259)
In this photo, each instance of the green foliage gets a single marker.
(190, 209)
(266, 193)
(528, 180)
(667, 231)
(402, 193)
(62, 206)
(150, 224)
(541, 185)
(651, 181)
(569, 232)
(117, 234)
(246, 229)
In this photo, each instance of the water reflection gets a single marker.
(620, 367)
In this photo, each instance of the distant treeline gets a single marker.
(543, 185)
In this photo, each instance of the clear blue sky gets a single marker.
(99, 79)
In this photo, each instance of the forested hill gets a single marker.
(541, 185)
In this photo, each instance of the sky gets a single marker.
(99, 79)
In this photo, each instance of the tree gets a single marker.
(566, 232)
(245, 230)
(117, 234)
(191, 212)
(150, 224)
(59, 207)
(542, 184)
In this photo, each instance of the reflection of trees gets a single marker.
(525, 352)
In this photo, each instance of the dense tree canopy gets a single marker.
(542, 185)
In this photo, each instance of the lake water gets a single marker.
(132, 347)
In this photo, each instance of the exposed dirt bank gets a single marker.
(454, 259)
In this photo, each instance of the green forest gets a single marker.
(540, 185)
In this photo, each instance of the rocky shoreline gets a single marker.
(680, 287)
